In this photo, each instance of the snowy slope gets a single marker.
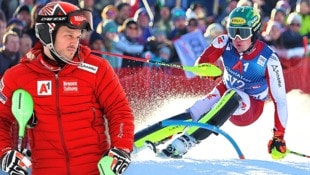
(216, 155)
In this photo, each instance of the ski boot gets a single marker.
(179, 147)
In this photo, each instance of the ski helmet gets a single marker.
(245, 22)
(56, 14)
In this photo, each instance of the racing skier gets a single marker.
(252, 70)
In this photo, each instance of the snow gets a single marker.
(216, 155)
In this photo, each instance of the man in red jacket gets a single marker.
(82, 112)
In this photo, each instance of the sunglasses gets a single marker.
(111, 12)
(132, 28)
(79, 19)
(295, 24)
(243, 33)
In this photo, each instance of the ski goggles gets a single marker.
(243, 33)
(79, 19)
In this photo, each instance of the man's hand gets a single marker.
(16, 163)
(277, 146)
(115, 162)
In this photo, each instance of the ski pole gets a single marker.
(298, 154)
(204, 69)
(22, 109)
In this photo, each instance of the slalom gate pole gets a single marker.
(205, 69)
(298, 154)
(208, 127)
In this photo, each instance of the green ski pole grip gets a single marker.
(104, 166)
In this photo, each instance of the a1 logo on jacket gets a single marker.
(44, 87)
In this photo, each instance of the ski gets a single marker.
(158, 134)
(178, 123)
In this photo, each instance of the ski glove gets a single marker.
(277, 146)
(115, 162)
(16, 163)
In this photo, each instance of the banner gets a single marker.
(189, 47)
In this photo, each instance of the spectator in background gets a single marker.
(178, 17)
(111, 42)
(16, 25)
(90, 5)
(303, 8)
(197, 9)
(96, 42)
(124, 10)
(3, 24)
(127, 44)
(25, 44)
(9, 7)
(202, 24)
(158, 48)
(164, 23)
(9, 52)
(279, 15)
(212, 31)
(267, 6)
(109, 12)
(291, 37)
(271, 36)
(284, 5)
(200, 12)
(34, 14)
(23, 13)
(29, 3)
(244, 3)
(144, 22)
(221, 18)
(192, 25)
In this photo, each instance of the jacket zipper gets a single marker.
(60, 126)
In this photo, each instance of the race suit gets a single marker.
(257, 73)
(82, 111)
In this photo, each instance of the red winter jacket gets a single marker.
(76, 108)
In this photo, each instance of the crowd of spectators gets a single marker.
(149, 31)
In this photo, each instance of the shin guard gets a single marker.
(218, 115)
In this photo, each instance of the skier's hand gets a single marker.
(115, 162)
(277, 146)
(33, 121)
(16, 163)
